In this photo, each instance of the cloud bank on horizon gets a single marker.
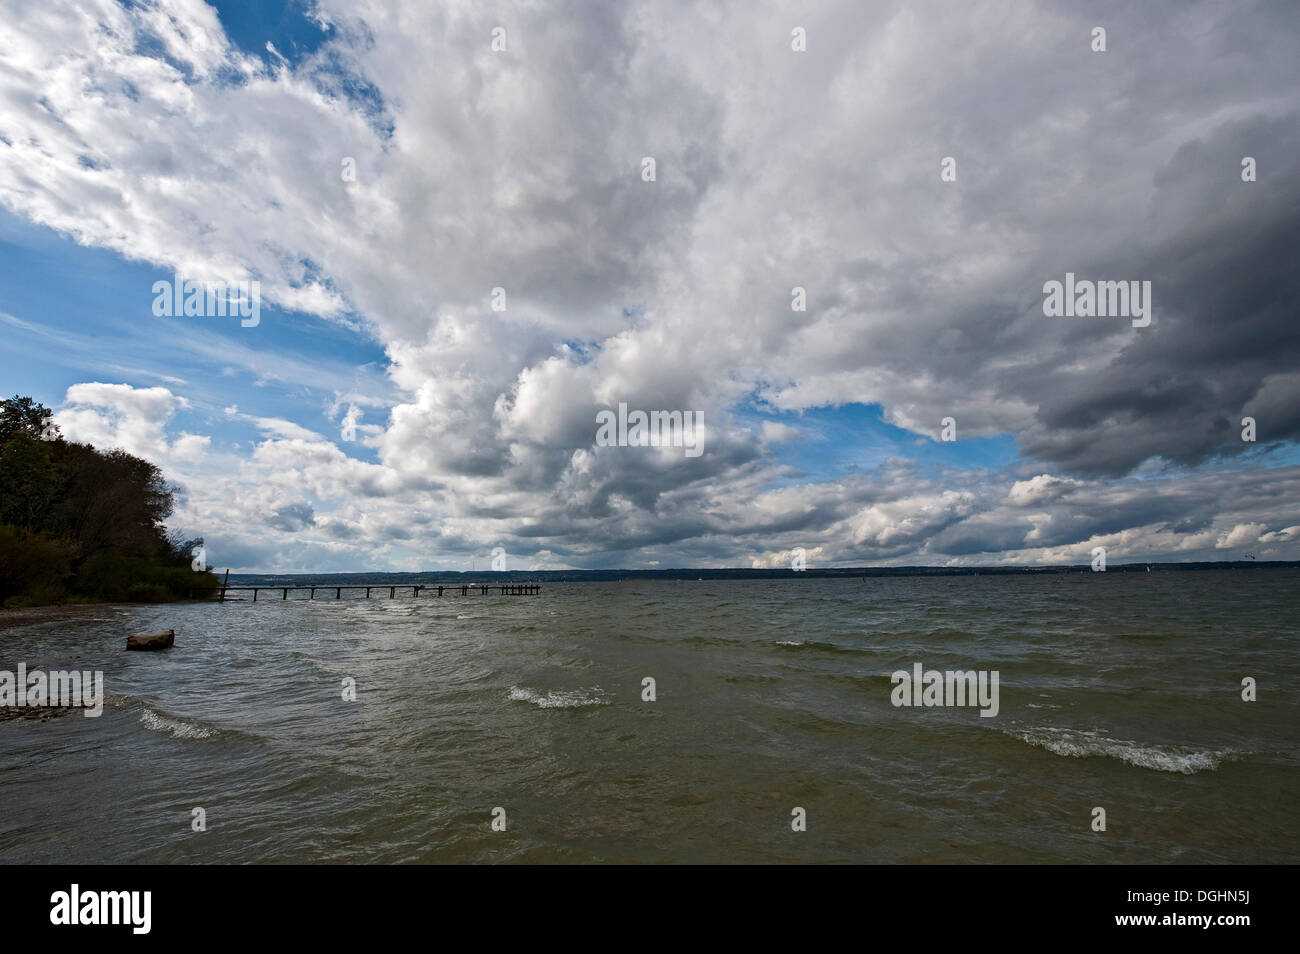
(835, 262)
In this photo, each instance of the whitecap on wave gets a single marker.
(175, 727)
(560, 698)
(1078, 743)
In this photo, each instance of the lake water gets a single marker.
(1119, 691)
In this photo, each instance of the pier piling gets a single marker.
(466, 589)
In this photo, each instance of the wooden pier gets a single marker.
(438, 590)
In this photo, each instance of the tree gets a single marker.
(19, 415)
(82, 520)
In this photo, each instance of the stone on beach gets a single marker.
(151, 640)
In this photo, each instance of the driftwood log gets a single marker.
(151, 640)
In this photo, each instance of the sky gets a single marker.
(463, 257)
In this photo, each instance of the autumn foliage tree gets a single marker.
(80, 523)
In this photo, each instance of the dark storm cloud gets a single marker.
(1227, 289)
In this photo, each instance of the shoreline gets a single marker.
(52, 612)
(28, 615)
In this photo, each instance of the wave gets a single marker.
(175, 727)
(1078, 743)
(813, 645)
(560, 698)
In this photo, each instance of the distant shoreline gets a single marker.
(457, 578)
(26, 615)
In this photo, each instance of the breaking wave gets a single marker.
(560, 698)
(175, 727)
(1077, 743)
